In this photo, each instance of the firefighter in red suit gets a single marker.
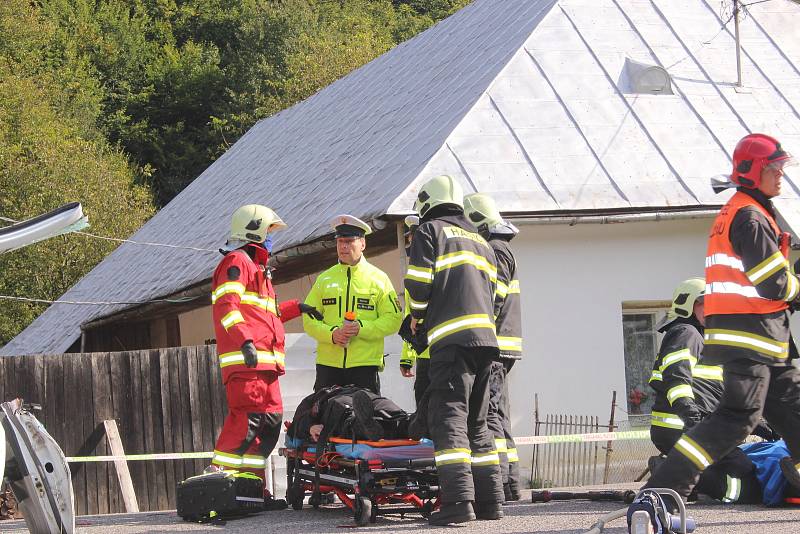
(250, 342)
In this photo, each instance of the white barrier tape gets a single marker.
(583, 438)
(524, 440)
(142, 457)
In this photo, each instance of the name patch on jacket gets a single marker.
(363, 304)
(454, 232)
(328, 302)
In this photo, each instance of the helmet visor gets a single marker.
(787, 160)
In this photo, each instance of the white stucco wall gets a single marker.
(573, 281)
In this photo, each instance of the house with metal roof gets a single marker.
(596, 124)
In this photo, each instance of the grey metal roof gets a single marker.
(518, 98)
(555, 132)
(352, 147)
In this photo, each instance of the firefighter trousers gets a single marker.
(499, 422)
(751, 389)
(251, 429)
(422, 379)
(466, 460)
(730, 479)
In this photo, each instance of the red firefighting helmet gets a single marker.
(752, 154)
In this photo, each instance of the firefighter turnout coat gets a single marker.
(748, 284)
(507, 305)
(409, 356)
(451, 281)
(685, 388)
(244, 308)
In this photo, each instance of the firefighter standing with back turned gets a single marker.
(482, 211)
(250, 343)
(749, 288)
(450, 281)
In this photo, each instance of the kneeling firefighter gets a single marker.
(250, 343)
(687, 391)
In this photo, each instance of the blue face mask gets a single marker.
(268, 243)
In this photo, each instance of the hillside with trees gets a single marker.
(119, 104)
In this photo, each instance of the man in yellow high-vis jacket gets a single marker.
(351, 352)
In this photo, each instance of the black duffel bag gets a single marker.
(218, 495)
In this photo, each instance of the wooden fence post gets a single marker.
(609, 447)
(123, 473)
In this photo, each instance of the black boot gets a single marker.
(452, 512)
(271, 504)
(511, 494)
(366, 426)
(488, 510)
(790, 473)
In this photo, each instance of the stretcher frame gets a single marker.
(367, 487)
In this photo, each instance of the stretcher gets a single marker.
(387, 477)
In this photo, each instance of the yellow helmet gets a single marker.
(437, 191)
(481, 209)
(253, 222)
(684, 297)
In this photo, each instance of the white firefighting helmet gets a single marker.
(437, 191)
(252, 223)
(482, 211)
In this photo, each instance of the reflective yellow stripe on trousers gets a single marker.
(485, 458)
(452, 456)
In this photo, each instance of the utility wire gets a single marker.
(109, 303)
(142, 243)
(704, 43)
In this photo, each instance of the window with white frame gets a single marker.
(641, 342)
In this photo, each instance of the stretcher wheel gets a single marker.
(315, 500)
(363, 511)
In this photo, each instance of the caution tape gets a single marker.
(583, 438)
(141, 457)
(524, 440)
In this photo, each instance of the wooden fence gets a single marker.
(165, 400)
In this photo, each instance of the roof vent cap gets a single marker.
(643, 79)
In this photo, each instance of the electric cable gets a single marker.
(100, 303)
(119, 240)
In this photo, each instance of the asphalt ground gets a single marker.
(522, 517)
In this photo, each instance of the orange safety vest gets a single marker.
(729, 288)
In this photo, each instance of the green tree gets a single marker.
(184, 79)
(51, 152)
